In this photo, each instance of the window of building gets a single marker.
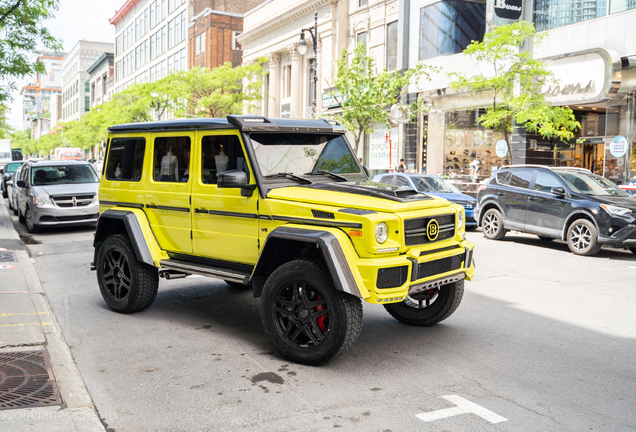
(235, 44)
(177, 58)
(361, 38)
(172, 159)
(363, 3)
(287, 81)
(183, 25)
(449, 26)
(104, 85)
(163, 69)
(169, 64)
(391, 46)
(197, 45)
(163, 39)
(152, 47)
(93, 92)
(125, 159)
(220, 153)
(177, 29)
(183, 59)
(152, 15)
(203, 42)
(170, 35)
(152, 74)
(549, 14)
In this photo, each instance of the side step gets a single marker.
(205, 270)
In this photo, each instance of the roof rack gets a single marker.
(256, 123)
(571, 169)
(546, 167)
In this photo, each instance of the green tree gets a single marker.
(21, 33)
(365, 95)
(218, 92)
(515, 85)
(22, 139)
(5, 128)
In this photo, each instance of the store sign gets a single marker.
(330, 98)
(501, 149)
(509, 9)
(383, 149)
(618, 146)
(471, 138)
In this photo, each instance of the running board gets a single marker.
(205, 270)
(437, 283)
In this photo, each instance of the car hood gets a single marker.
(454, 197)
(355, 196)
(626, 202)
(65, 189)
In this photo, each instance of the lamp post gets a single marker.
(302, 50)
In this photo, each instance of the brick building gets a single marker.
(213, 30)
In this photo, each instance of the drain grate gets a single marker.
(26, 380)
(7, 256)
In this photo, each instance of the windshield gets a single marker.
(63, 174)
(299, 154)
(4, 155)
(591, 184)
(12, 167)
(429, 184)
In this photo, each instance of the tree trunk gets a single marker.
(508, 144)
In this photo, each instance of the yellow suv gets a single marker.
(281, 206)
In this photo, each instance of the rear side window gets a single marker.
(125, 159)
(172, 159)
(521, 178)
(503, 177)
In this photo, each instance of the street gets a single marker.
(543, 341)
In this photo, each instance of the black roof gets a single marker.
(246, 123)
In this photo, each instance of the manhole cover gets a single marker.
(7, 256)
(26, 380)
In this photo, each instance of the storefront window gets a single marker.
(549, 14)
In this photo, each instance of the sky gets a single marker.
(74, 20)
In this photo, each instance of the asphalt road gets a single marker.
(543, 341)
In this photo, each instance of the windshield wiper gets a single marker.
(291, 176)
(329, 173)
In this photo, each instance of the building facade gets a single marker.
(75, 90)
(101, 73)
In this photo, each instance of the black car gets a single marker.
(570, 204)
(9, 169)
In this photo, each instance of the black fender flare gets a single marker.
(115, 221)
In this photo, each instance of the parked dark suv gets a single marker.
(570, 204)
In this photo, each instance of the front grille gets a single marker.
(392, 277)
(415, 229)
(73, 200)
(432, 268)
(432, 251)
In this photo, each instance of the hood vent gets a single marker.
(322, 214)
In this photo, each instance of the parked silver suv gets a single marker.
(51, 193)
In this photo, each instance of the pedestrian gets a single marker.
(474, 167)
(401, 168)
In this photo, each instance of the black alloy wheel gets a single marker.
(583, 238)
(305, 318)
(127, 285)
(492, 225)
(428, 307)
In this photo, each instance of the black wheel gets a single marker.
(4, 193)
(20, 217)
(582, 238)
(492, 225)
(29, 222)
(305, 318)
(546, 239)
(15, 211)
(9, 204)
(126, 284)
(429, 307)
(237, 285)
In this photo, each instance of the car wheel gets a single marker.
(15, 211)
(20, 217)
(4, 193)
(304, 317)
(492, 225)
(29, 222)
(582, 238)
(237, 285)
(546, 239)
(632, 250)
(9, 204)
(127, 285)
(428, 307)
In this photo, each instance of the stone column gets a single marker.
(296, 85)
(436, 142)
(273, 98)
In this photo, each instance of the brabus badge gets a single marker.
(432, 230)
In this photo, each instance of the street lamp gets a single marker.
(302, 50)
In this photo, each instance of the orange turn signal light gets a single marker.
(355, 233)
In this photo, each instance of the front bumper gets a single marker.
(51, 215)
(626, 236)
(391, 279)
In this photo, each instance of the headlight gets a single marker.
(615, 211)
(460, 219)
(381, 232)
(41, 200)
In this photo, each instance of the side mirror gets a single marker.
(21, 183)
(558, 191)
(236, 179)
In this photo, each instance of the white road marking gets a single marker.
(463, 407)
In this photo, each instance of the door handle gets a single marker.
(532, 198)
(501, 193)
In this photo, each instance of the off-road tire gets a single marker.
(443, 302)
(28, 222)
(293, 322)
(237, 285)
(583, 238)
(117, 266)
(492, 225)
(632, 250)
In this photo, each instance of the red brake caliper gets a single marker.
(431, 293)
(322, 318)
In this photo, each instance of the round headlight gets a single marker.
(460, 219)
(381, 232)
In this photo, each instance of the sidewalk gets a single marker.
(27, 329)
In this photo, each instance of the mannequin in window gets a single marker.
(221, 162)
(169, 167)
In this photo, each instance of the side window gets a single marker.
(387, 180)
(125, 159)
(521, 178)
(221, 153)
(503, 177)
(545, 182)
(401, 182)
(172, 159)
